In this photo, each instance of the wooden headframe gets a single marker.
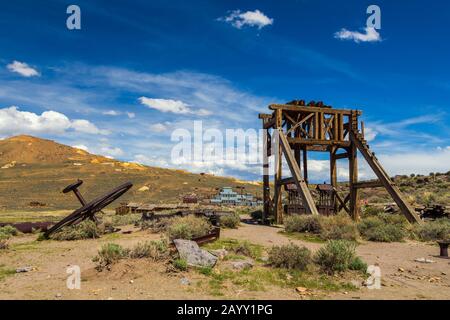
(298, 129)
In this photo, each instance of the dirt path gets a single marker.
(146, 280)
(402, 277)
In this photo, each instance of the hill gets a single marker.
(36, 170)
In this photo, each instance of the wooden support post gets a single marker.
(278, 205)
(266, 185)
(333, 173)
(305, 164)
(354, 192)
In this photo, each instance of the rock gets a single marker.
(194, 256)
(143, 189)
(264, 259)
(301, 289)
(24, 269)
(244, 264)
(131, 281)
(185, 281)
(58, 295)
(220, 253)
(423, 260)
(401, 269)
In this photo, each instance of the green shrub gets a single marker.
(155, 250)
(358, 265)
(383, 228)
(109, 254)
(303, 223)
(7, 232)
(338, 227)
(123, 220)
(368, 211)
(433, 230)
(188, 227)
(337, 256)
(290, 256)
(231, 221)
(85, 230)
(180, 264)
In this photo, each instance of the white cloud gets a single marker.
(114, 113)
(370, 134)
(22, 68)
(370, 35)
(86, 126)
(13, 121)
(111, 113)
(250, 18)
(158, 127)
(151, 161)
(174, 106)
(111, 152)
(81, 147)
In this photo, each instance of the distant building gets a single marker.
(227, 196)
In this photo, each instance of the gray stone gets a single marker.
(194, 256)
(220, 253)
(24, 269)
(185, 281)
(423, 260)
(244, 264)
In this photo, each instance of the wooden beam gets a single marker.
(295, 170)
(286, 181)
(354, 193)
(298, 124)
(266, 182)
(341, 156)
(341, 144)
(389, 185)
(333, 172)
(308, 109)
(342, 202)
(279, 170)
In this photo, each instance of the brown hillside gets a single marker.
(34, 169)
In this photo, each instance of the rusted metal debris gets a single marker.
(29, 227)
(443, 245)
(208, 238)
(213, 216)
(88, 209)
(435, 211)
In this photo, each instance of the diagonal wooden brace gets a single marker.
(295, 171)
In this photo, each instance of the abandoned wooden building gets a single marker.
(293, 130)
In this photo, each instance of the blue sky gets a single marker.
(205, 60)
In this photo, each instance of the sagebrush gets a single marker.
(338, 256)
(290, 256)
(87, 229)
(187, 227)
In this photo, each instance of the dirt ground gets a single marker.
(402, 277)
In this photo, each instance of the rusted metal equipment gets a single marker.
(29, 227)
(210, 237)
(88, 210)
(207, 238)
(435, 211)
(443, 245)
(296, 128)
